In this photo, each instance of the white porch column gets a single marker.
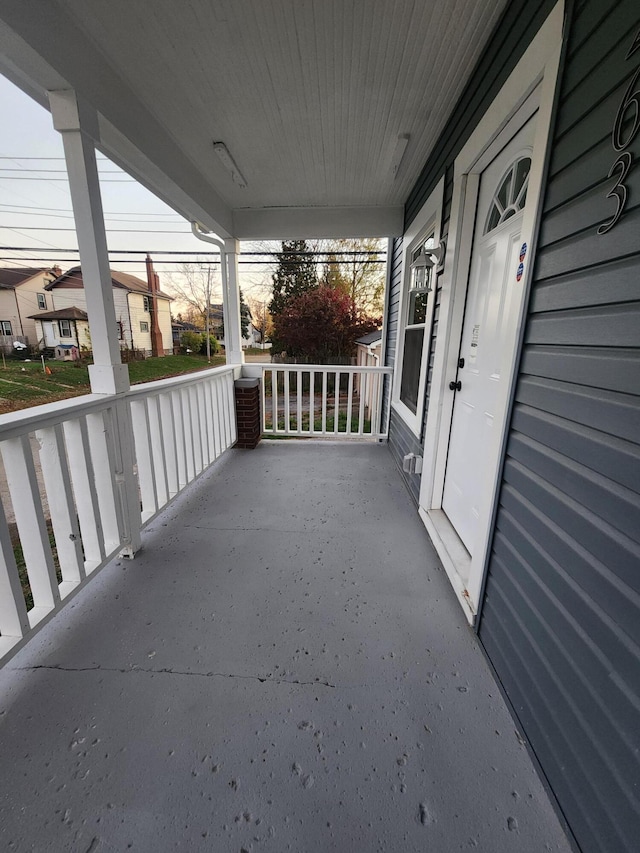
(78, 125)
(231, 303)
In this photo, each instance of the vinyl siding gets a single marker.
(561, 615)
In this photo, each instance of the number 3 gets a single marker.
(619, 191)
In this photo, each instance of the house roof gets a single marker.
(11, 277)
(371, 338)
(73, 278)
(71, 313)
(328, 109)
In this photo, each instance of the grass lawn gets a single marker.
(24, 384)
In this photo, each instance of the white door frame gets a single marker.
(529, 89)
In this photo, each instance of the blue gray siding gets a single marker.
(561, 616)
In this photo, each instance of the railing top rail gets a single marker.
(157, 385)
(13, 424)
(328, 368)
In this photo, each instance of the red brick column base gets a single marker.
(247, 392)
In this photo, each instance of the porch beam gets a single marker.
(78, 125)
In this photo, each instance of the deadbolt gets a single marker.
(455, 386)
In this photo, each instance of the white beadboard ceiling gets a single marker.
(309, 96)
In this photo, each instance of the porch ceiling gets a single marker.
(309, 98)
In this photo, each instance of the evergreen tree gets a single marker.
(294, 275)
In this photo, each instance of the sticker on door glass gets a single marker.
(523, 252)
(520, 272)
(473, 347)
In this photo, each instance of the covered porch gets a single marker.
(284, 666)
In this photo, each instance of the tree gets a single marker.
(358, 273)
(245, 318)
(294, 275)
(193, 288)
(261, 318)
(322, 324)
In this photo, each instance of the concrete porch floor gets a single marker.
(283, 667)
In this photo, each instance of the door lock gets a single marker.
(455, 386)
(461, 362)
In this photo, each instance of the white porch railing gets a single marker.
(79, 457)
(323, 400)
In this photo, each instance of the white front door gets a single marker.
(50, 331)
(495, 277)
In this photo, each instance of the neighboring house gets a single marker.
(22, 294)
(369, 350)
(132, 300)
(65, 330)
(177, 329)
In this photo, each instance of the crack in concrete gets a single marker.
(166, 671)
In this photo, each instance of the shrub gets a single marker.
(213, 345)
(191, 341)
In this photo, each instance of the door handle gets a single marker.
(455, 386)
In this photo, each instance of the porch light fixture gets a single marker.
(229, 163)
(424, 259)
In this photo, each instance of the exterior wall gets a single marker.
(129, 310)
(27, 296)
(164, 318)
(561, 615)
(141, 340)
(520, 22)
(9, 311)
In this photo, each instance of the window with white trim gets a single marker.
(146, 303)
(5, 328)
(65, 328)
(42, 301)
(144, 326)
(420, 286)
(423, 258)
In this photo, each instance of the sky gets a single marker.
(36, 215)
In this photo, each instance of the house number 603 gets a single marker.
(629, 108)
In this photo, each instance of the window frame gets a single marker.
(428, 223)
(42, 301)
(3, 332)
(146, 304)
(64, 334)
(144, 326)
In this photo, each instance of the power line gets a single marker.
(274, 254)
(69, 210)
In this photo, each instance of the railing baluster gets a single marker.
(84, 487)
(230, 409)
(324, 402)
(312, 399)
(349, 404)
(362, 387)
(336, 401)
(100, 433)
(188, 433)
(299, 402)
(209, 415)
(286, 390)
(218, 422)
(263, 397)
(202, 420)
(169, 443)
(14, 621)
(181, 438)
(34, 538)
(144, 456)
(64, 520)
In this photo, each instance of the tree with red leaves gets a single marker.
(321, 325)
